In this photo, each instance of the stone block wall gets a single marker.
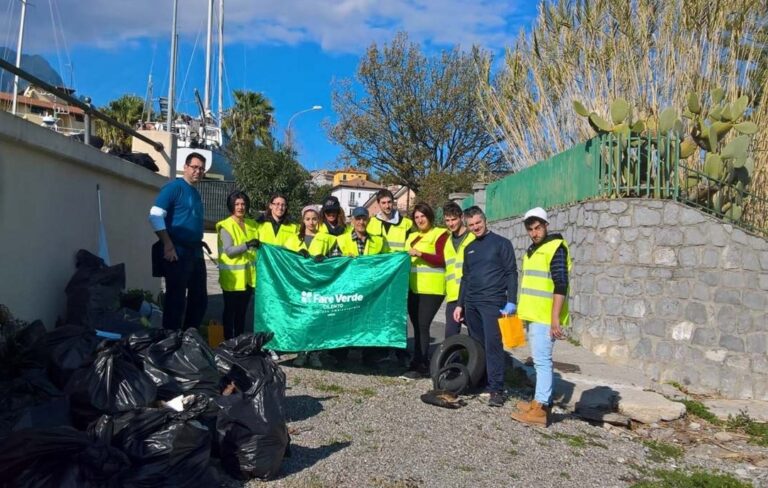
(668, 288)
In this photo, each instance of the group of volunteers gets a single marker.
(464, 263)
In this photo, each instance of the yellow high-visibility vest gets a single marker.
(235, 273)
(323, 229)
(373, 245)
(537, 287)
(454, 266)
(284, 233)
(395, 236)
(425, 278)
(320, 245)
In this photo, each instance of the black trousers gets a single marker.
(483, 324)
(451, 326)
(186, 293)
(235, 308)
(422, 309)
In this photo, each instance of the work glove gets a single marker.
(319, 258)
(253, 244)
(304, 253)
(509, 309)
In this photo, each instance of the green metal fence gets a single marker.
(613, 167)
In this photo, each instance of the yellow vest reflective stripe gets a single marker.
(235, 273)
(537, 287)
(425, 278)
(454, 266)
(373, 245)
(395, 236)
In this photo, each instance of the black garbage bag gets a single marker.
(93, 290)
(252, 432)
(114, 383)
(182, 363)
(70, 347)
(243, 359)
(31, 401)
(166, 447)
(62, 457)
(22, 347)
(140, 341)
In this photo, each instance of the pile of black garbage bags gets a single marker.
(151, 408)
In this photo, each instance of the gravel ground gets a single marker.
(363, 428)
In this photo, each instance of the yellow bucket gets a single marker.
(512, 331)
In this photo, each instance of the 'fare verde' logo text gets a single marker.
(312, 297)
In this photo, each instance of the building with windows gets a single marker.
(354, 193)
(347, 175)
(47, 110)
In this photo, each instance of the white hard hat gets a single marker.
(538, 213)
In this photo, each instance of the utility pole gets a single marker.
(208, 49)
(19, 45)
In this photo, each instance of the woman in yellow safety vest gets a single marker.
(310, 243)
(238, 240)
(332, 221)
(275, 228)
(426, 285)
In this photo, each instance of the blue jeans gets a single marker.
(541, 349)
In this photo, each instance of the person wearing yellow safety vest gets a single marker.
(332, 221)
(274, 228)
(426, 284)
(388, 223)
(459, 239)
(544, 306)
(488, 290)
(360, 243)
(237, 239)
(310, 244)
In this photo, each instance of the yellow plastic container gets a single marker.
(512, 331)
(215, 333)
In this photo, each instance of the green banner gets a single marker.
(340, 302)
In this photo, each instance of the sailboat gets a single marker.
(201, 134)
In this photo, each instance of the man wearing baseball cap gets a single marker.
(543, 305)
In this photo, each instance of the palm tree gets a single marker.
(250, 119)
(127, 109)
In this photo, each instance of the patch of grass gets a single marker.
(339, 439)
(676, 385)
(366, 392)
(758, 432)
(565, 475)
(329, 387)
(698, 409)
(661, 451)
(296, 381)
(512, 452)
(576, 441)
(387, 381)
(465, 468)
(573, 341)
(697, 479)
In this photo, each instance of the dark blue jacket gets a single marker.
(490, 272)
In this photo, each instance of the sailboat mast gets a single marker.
(172, 80)
(19, 45)
(221, 61)
(208, 52)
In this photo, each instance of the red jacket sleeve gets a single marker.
(437, 259)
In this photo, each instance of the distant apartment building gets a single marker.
(354, 193)
(347, 175)
(45, 109)
(321, 177)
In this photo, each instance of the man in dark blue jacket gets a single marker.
(488, 289)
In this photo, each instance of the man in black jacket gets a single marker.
(488, 289)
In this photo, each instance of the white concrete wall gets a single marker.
(48, 211)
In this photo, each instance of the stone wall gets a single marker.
(667, 288)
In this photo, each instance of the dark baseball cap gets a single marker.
(360, 212)
(331, 204)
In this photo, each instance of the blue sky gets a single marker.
(292, 50)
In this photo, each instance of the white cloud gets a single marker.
(337, 26)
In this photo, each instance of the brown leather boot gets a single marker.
(537, 414)
(523, 406)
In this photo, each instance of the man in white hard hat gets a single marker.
(543, 304)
